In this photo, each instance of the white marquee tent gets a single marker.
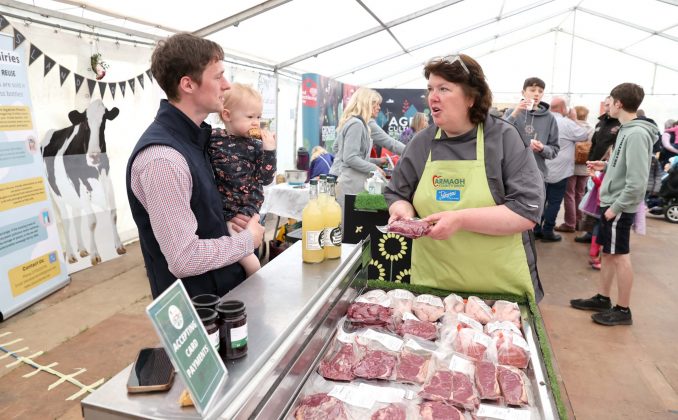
(581, 48)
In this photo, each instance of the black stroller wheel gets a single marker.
(671, 213)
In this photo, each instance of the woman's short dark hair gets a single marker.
(182, 55)
(629, 94)
(473, 82)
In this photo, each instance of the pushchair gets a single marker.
(668, 192)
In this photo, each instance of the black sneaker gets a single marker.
(597, 303)
(550, 237)
(584, 239)
(613, 316)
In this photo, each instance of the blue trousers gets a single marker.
(554, 198)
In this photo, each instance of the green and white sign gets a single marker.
(187, 345)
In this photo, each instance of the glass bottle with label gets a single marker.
(323, 194)
(332, 217)
(312, 228)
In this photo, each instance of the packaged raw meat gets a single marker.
(320, 407)
(438, 386)
(454, 304)
(464, 394)
(506, 311)
(512, 349)
(495, 327)
(428, 307)
(409, 324)
(472, 343)
(339, 364)
(369, 314)
(486, 381)
(513, 384)
(412, 228)
(477, 309)
(375, 296)
(401, 300)
(414, 360)
(378, 355)
(435, 410)
(392, 411)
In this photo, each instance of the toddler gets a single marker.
(243, 159)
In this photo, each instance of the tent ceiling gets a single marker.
(385, 43)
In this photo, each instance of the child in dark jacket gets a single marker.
(243, 158)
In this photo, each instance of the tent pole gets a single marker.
(555, 57)
(654, 78)
(569, 80)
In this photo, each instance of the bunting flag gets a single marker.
(3, 23)
(34, 54)
(63, 74)
(78, 82)
(90, 85)
(49, 64)
(19, 38)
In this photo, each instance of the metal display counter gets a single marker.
(293, 310)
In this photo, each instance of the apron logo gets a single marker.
(440, 182)
(448, 195)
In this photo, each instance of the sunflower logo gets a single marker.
(380, 268)
(392, 247)
(403, 275)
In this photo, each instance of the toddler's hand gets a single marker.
(268, 140)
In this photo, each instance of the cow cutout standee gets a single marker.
(74, 156)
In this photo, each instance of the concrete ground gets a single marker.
(98, 323)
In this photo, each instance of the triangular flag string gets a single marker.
(49, 63)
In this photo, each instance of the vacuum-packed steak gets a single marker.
(512, 384)
(320, 407)
(486, 381)
(375, 364)
(472, 343)
(438, 387)
(512, 349)
(369, 314)
(434, 410)
(390, 412)
(423, 329)
(339, 367)
(412, 229)
(412, 367)
(463, 394)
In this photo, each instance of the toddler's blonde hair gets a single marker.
(238, 94)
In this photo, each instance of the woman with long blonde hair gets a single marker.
(352, 164)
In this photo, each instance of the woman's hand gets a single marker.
(401, 209)
(444, 224)
(596, 165)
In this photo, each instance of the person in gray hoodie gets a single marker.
(535, 123)
(622, 191)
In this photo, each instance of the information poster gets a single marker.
(31, 259)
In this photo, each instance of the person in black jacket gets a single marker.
(604, 136)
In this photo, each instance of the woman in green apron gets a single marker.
(475, 180)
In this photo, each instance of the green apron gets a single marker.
(467, 261)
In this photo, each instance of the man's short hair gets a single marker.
(629, 94)
(182, 55)
(534, 81)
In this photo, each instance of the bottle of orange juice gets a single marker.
(323, 192)
(312, 228)
(332, 221)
